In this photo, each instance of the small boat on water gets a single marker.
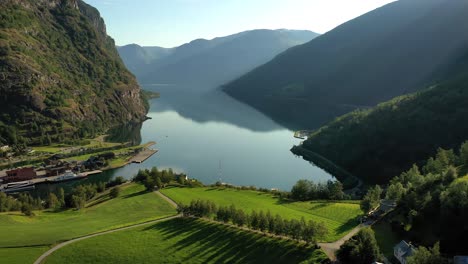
(18, 187)
(69, 175)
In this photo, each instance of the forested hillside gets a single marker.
(379, 143)
(393, 50)
(61, 74)
(432, 201)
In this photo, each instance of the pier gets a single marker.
(143, 155)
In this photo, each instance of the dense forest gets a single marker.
(437, 191)
(61, 74)
(393, 50)
(379, 143)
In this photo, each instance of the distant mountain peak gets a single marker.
(210, 63)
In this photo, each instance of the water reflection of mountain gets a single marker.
(130, 132)
(212, 106)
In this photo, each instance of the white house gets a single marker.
(403, 250)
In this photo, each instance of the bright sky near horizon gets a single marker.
(170, 23)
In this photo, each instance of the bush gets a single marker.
(117, 181)
(26, 209)
(115, 192)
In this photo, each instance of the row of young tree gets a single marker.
(299, 230)
(159, 179)
(76, 199)
(432, 199)
(305, 190)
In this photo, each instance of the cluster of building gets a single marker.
(54, 166)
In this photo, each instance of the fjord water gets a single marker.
(212, 137)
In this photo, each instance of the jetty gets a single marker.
(143, 155)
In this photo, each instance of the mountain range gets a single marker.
(210, 63)
(393, 50)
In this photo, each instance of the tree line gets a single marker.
(159, 179)
(76, 198)
(298, 230)
(305, 190)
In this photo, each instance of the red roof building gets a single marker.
(22, 174)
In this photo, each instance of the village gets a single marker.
(65, 164)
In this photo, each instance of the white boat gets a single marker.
(20, 189)
(18, 186)
(69, 175)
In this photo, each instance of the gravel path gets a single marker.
(331, 248)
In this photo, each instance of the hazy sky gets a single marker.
(170, 23)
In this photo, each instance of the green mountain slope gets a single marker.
(390, 51)
(380, 143)
(61, 74)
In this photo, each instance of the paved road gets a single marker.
(169, 200)
(63, 244)
(331, 248)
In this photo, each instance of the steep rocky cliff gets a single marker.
(60, 73)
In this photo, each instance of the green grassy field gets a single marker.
(339, 218)
(58, 148)
(21, 255)
(133, 206)
(184, 241)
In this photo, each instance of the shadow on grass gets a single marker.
(283, 201)
(134, 194)
(211, 242)
(316, 206)
(101, 200)
(350, 224)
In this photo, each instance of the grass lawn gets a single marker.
(124, 154)
(48, 149)
(21, 255)
(93, 143)
(184, 241)
(134, 205)
(339, 218)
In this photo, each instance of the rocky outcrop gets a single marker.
(59, 68)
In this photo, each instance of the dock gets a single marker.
(143, 155)
(91, 172)
(51, 179)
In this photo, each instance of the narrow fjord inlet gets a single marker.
(261, 131)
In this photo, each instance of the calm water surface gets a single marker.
(213, 137)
